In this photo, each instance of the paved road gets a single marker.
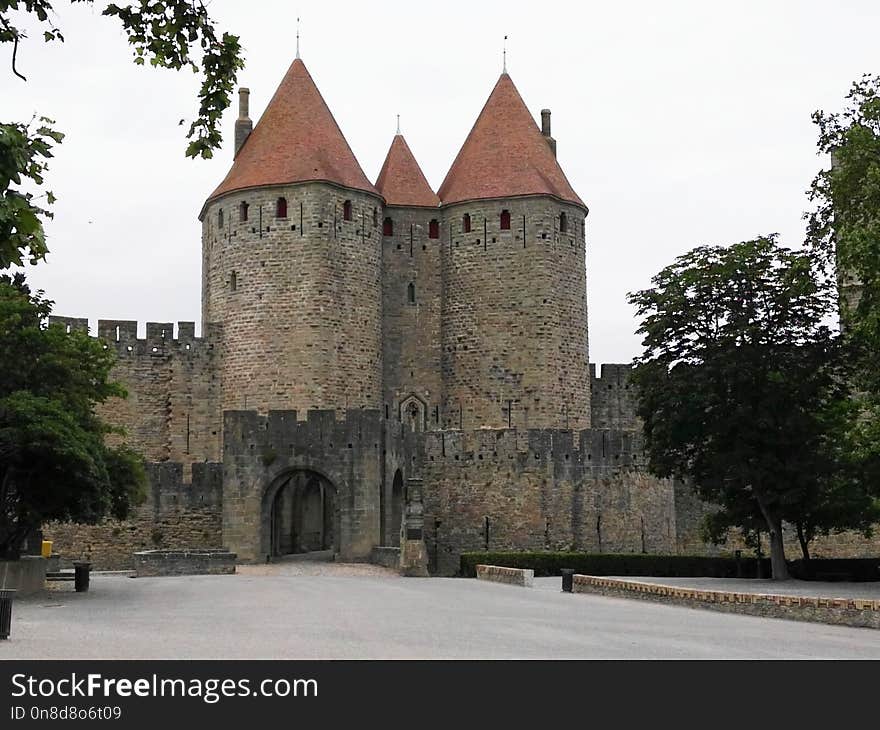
(363, 612)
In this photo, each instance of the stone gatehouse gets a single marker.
(359, 335)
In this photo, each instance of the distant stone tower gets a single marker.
(291, 269)
(514, 330)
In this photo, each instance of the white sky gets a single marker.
(679, 123)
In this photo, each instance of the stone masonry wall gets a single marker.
(411, 340)
(172, 412)
(176, 515)
(613, 398)
(298, 297)
(515, 316)
(261, 451)
(540, 490)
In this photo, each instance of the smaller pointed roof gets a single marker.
(296, 140)
(505, 155)
(401, 180)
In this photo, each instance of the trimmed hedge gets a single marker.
(685, 566)
(672, 566)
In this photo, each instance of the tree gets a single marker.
(741, 391)
(54, 463)
(844, 230)
(173, 34)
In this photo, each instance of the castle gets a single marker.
(364, 345)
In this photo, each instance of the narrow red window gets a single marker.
(346, 210)
(387, 227)
(466, 223)
(505, 220)
(243, 210)
(434, 229)
(281, 208)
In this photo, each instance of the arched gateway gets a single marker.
(300, 514)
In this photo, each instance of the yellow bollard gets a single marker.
(47, 548)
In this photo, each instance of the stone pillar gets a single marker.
(413, 551)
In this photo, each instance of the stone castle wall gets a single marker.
(613, 397)
(299, 297)
(514, 325)
(411, 340)
(177, 514)
(172, 412)
(261, 450)
(539, 490)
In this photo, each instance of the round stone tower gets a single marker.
(291, 269)
(514, 327)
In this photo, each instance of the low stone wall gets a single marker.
(387, 557)
(512, 576)
(27, 575)
(841, 611)
(153, 563)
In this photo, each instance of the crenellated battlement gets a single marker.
(245, 431)
(613, 402)
(279, 431)
(613, 375)
(160, 336)
(536, 448)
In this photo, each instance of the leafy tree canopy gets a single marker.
(173, 34)
(54, 463)
(844, 229)
(741, 392)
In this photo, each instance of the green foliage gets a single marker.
(551, 563)
(742, 391)
(54, 464)
(170, 34)
(24, 152)
(173, 34)
(844, 228)
(668, 566)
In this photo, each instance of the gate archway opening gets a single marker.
(303, 515)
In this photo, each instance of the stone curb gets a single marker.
(859, 612)
(511, 576)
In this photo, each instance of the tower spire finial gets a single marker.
(504, 66)
(398, 123)
(297, 37)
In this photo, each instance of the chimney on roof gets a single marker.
(545, 130)
(243, 125)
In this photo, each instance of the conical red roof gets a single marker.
(401, 181)
(505, 155)
(296, 140)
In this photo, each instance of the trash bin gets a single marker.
(46, 548)
(81, 576)
(6, 597)
(567, 579)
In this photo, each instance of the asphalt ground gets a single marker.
(329, 611)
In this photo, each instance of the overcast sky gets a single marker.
(679, 123)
